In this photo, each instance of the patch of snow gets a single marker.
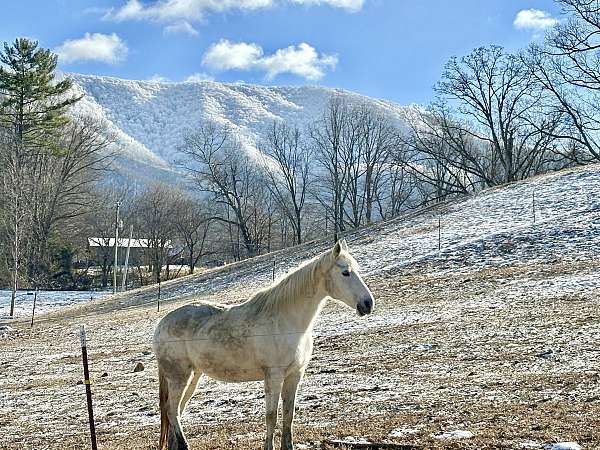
(530, 444)
(5, 330)
(404, 431)
(46, 301)
(563, 446)
(451, 435)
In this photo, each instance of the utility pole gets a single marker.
(15, 280)
(124, 279)
(116, 261)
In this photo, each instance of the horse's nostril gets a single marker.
(368, 303)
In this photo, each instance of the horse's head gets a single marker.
(344, 283)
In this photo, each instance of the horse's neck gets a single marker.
(298, 307)
(303, 314)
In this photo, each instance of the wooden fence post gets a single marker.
(34, 302)
(88, 388)
(158, 303)
(439, 234)
(533, 206)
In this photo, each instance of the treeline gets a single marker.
(501, 117)
(49, 163)
(498, 117)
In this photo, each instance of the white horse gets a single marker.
(268, 337)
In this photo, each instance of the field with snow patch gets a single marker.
(492, 342)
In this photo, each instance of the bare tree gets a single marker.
(327, 136)
(99, 222)
(498, 95)
(14, 217)
(446, 159)
(288, 172)
(59, 184)
(568, 68)
(379, 138)
(220, 166)
(155, 210)
(192, 223)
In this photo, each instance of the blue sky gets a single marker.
(393, 49)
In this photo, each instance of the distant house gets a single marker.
(100, 247)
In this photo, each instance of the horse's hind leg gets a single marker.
(178, 383)
(190, 390)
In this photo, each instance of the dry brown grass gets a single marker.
(458, 361)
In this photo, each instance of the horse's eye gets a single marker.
(346, 273)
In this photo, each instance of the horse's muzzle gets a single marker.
(364, 307)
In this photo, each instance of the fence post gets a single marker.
(533, 206)
(439, 234)
(88, 388)
(158, 303)
(34, 301)
(273, 270)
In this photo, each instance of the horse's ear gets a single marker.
(337, 249)
(344, 245)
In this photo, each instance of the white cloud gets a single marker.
(226, 55)
(169, 10)
(98, 47)
(533, 19)
(199, 77)
(302, 60)
(350, 5)
(181, 27)
(158, 78)
(193, 10)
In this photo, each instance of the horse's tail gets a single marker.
(163, 395)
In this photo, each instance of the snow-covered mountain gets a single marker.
(150, 119)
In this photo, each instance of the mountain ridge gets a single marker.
(150, 118)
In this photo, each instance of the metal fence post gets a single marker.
(88, 388)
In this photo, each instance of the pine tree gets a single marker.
(33, 110)
(31, 102)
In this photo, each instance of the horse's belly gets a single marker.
(234, 375)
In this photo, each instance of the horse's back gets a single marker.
(181, 323)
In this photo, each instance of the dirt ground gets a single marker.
(494, 352)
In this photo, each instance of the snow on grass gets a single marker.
(403, 432)
(452, 435)
(563, 446)
(469, 335)
(46, 301)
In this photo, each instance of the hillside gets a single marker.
(149, 119)
(495, 336)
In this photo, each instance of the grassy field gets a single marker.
(433, 359)
(497, 336)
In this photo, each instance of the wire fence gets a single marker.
(242, 269)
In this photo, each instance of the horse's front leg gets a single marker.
(273, 382)
(288, 395)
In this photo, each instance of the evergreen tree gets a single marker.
(31, 102)
(33, 108)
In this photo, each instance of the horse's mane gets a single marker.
(300, 282)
